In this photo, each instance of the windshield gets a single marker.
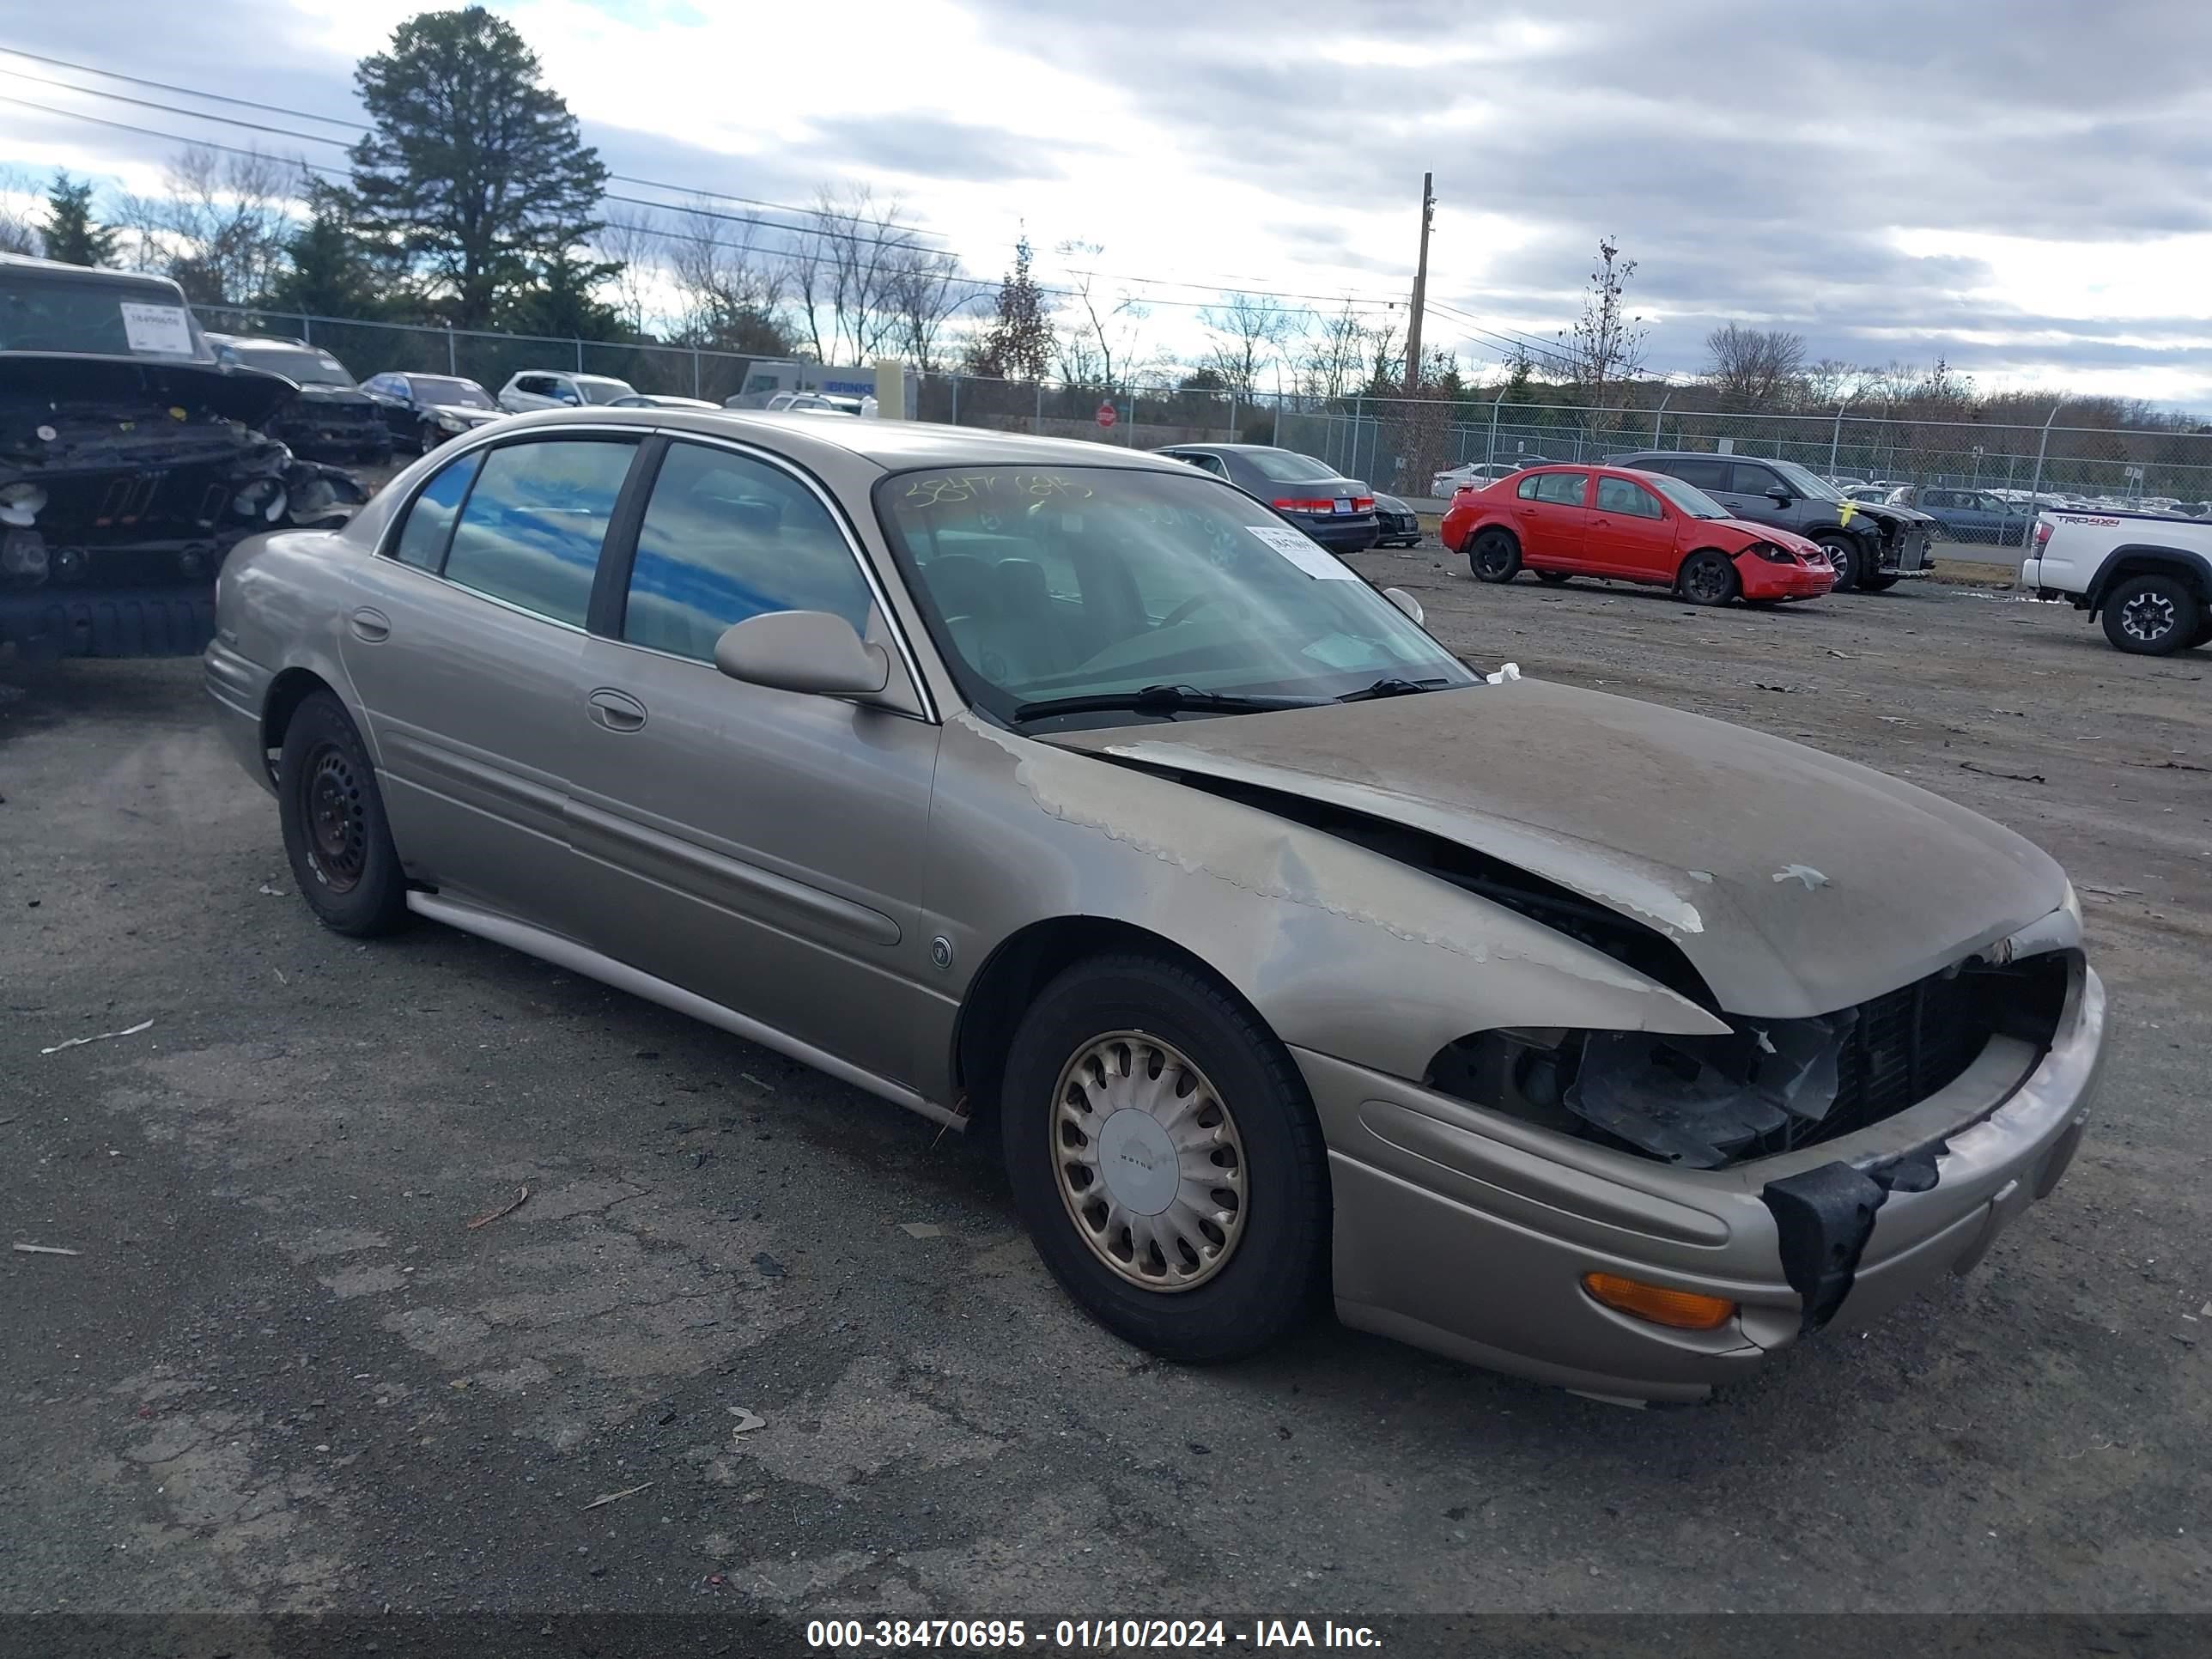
(598, 390)
(1090, 581)
(441, 389)
(304, 364)
(1691, 499)
(1288, 466)
(1810, 485)
(100, 316)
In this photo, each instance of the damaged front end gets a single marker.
(123, 487)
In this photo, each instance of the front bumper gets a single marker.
(122, 622)
(1762, 578)
(1468, 1232)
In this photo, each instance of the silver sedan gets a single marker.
(1070, 795)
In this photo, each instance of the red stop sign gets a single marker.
(1106, 414)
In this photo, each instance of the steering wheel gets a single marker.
(1195, 602)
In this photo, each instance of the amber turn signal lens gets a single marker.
(1685, 1311)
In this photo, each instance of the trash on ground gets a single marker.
(2017, 777)
(43, 1250)
(922, 1229)
(268, 891)
(1803, 872)
(78, 1042)
(768, 1265)
(1511, 671)
(509, 1209)
(617, 1497)
(747, 1420)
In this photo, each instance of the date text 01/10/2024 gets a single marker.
(1084, 1635)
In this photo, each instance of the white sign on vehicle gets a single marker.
(1303, 551)
(164, 329)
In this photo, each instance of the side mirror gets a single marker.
(1406, 602)
(1780, 496)
(807, 651)
(566, 396)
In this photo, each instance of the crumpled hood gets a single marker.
(1767, 533)
(468, 412)
(1795, 883)
(1883, 513)
(245, 395)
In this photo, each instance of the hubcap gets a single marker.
(2148, 618)
(1148, 1161)
(338, 830)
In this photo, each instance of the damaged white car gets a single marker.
(1071, 794)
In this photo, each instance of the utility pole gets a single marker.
(1421, 290)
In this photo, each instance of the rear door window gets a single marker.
(530, 530)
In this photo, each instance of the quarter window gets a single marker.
(430, 524)
(725, 537)
(1627, 497)
(530, 532)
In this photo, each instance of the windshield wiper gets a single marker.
(1392, 688)
(1162, 699)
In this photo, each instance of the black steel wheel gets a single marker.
(336, 836)
(1494, 556)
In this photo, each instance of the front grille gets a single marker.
(1903, 1046)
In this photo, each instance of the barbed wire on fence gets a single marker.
(1395, 444)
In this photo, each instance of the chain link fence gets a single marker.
(1396, 444)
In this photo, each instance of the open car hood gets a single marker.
(1796, 884)
(246, 395)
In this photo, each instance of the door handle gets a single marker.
(617, 710)
(372, 625)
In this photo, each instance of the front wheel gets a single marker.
(1164, 1155)
(1495, 556)
(1843, 558)
(2151, 615)
(335, 835)
(1708, 577)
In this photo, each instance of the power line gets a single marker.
(360, 126)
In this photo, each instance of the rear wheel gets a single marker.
(336, 836)
(2152, 616)
(1877, 584)
(1494, 556)
(1843, 556)
(1164, 1155)
(1708, 577)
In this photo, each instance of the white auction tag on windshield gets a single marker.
(1301, 550)
(165, 328)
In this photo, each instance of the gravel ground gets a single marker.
(283, 1372)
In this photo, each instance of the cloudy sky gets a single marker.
(2024, 188)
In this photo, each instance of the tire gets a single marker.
(2151, 615)
(335, 835)
(1552, 578)
(1708, 576)
(1494, 556)
(1878, 584)
(1103, 1016)
(1844, 554)
(2204, 634)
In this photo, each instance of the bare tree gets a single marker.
(1384, 344)
(221, 224)
(1249, 331)
(21, 198)
(927, 289)
(1109, 330)
(635, 244)
(1605, 348)
(1334, 354)
(1754, 368)
(1832, 380)
(844, 267)
(727, 291)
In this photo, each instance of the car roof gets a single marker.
(35, 265)
(894, 445)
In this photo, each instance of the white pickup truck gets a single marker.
(2149, 576)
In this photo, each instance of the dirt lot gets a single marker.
(283, 1372)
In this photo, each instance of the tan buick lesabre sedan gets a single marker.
(1069, 791)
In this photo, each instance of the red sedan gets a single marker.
(1562, 521)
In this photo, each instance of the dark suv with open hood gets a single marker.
(1871, 547)
(131, 461)
(329, 418)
